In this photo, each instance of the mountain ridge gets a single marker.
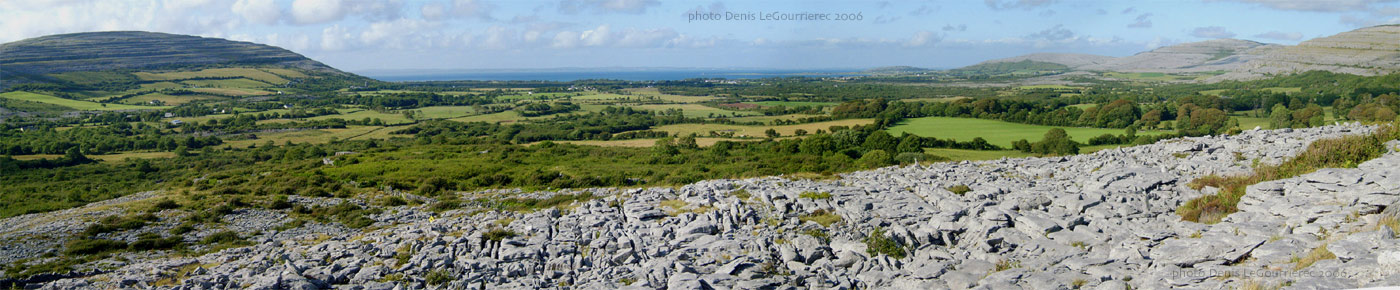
(1354, 52)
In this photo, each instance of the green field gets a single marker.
(75, 104)
(360, 114)
(996, 132)
(249, 73)
(167, 99)
(696, 110)
(444, 112)
(758, 131)
(794, 104)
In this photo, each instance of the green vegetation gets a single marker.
(821, 216)
(877, 243)
(999, 133)
(1317, 254)
(959, 189)
(815, 195)
(1344, 152)
(74, 104)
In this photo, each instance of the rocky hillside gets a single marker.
(135, 50)
(1104, 220)
(1366, 51)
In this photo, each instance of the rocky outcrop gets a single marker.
(1104, 220)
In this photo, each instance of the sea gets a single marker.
(609, 74)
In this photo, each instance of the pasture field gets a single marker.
(92, 77)
(316, 136)
(229, 83)
(239, 92)
(75, 104)
(757, 131)
(167, 99)
(935, 100)
(996, 132)
(697, 110)
(445, 112)
(642, 143)
(767, 119)
(285, 73)
(249, 73)
(359, 114)
(1057, 87)
(791, 104)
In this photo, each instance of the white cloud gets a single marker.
(263, 12)
(923, 39)
(335, 38)
(1316, 5)
(596, 37)
(565, 39)
(1212, 32)
(433, 11)
(317, 11)
(1022, 4)
(606, 6)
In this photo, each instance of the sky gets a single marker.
(358, 36)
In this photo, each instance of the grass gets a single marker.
(821, 216)
(696, 110)
(1005, 264)
(995, 132)
(1344, 152)
(74, 104)
(757, 131)
(249, 73)
(791, 104)
(959, 189)
(815, 195)
(360, 114)
(637, 143)
(167, 99)
(228, 83)
(1317, 254)
(445, 112)
(317, 136)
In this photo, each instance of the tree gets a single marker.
(1151, 119)
(1055, 142)
(1281, 117)
(688, 142)
(910, 143)
(800, 132)
(771, 133)
(818, 145)
(74, 156)
(874, 158)
(879, 140)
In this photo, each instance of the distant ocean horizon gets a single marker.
(565, 75)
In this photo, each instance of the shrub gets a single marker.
(155, 242)
(438, 277)
(165, 204)
(815, 195)
(92, 246)
(497, 235)
(222, 238)
(877, 243)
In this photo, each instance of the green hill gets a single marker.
(148, 70)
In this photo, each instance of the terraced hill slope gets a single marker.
(1366, 51)
(96, 51)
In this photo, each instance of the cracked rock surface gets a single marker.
(1104, 220)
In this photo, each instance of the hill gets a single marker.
(136, 50)
(896, 70)
(121, 69)
(1366, 51)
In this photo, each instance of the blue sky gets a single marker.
(361, 35)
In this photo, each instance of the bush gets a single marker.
(118, 223)
(222, 238)
(438, 277)
(497, 235)
(877, 243)
(92, 246)
(815, 195)
(149, 242)
(165, 204)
